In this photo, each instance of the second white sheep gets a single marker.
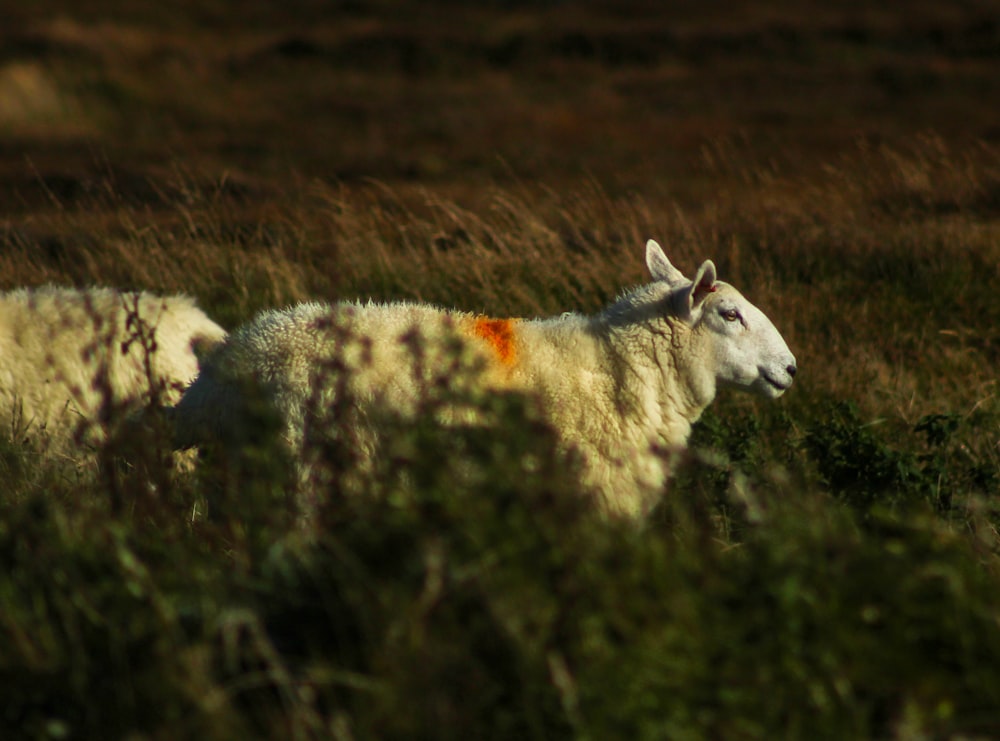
(71, 359)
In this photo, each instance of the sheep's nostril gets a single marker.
(791, 370)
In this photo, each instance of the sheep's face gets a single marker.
(739, 344)
(748, 351)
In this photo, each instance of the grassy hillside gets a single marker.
(823, 566)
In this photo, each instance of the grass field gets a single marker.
(826, 566)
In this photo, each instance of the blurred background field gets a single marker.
(823, 566)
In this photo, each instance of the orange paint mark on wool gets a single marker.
(499, 335)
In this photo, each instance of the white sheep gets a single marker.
(619, 388)
(72, 358)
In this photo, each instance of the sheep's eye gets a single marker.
(730, 315)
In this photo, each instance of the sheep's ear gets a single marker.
(660, 267)
(704, 284)
(688, 301)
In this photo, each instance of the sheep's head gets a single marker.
(745, 349)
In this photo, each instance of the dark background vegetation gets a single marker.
(824, 566)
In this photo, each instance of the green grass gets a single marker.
(826, 566)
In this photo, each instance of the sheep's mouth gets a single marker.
(776, 384)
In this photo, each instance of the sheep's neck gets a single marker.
(661, 369)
